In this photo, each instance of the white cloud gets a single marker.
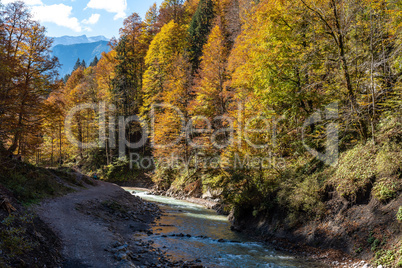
(92, 20)
(59, 14)
(28, 2)
(115, 6)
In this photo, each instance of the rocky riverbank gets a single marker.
(210, 200)
(98, 226)
(351, 235)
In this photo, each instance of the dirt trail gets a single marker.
(84, 238)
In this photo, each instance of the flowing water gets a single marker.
(188, 231)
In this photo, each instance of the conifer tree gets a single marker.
(199, 29)
(211, 95)
(94, 62)
(162, 52)
(77, 64)
(131, 51)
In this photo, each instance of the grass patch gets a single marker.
(356, 170)
(385, 257)
(389, 160)
(399, 215)
(385, 190)
(391, 257)
(30, 184)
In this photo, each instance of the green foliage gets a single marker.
(376, 243)
(164, 177)
(199, 29)
(213, 180)
(373, 242)
(364, 164)
(301, 188)
(29, 184)
(131, 51)
(389, 160)
(94, 160)
(288, 61)
(391, 257)
(119, 171)
(251, 194)
(385, 258)
(358, 250)
(77, 64)
(306, 197)
(355, 171)
(399, 215)
(385, 190)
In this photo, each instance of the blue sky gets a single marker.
(89, 17)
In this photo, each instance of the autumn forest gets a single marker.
(278, 108)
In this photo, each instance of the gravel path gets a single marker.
(84, 238)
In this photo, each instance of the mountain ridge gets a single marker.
(68, 54)
(73, 40)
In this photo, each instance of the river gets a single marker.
(188, 231)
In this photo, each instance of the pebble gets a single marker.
(350, 264)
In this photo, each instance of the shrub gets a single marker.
(164, 177)
(390, 129)
(399, 215)
(389, 160)
(251, 195)
(385, 190)
(306, 197)
(356, 170)
(119, 171)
